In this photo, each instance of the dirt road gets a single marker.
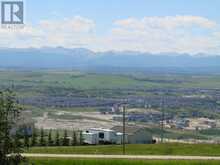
(137, 157)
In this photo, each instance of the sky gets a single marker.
(155, 26)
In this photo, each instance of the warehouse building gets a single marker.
(134, 134)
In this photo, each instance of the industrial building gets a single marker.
(134, 134)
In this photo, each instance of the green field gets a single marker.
(36, 82)
(46, 83)
(119, 162)
(150, 149)
(154, 149)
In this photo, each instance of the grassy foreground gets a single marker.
(119, 162)
(148, 149)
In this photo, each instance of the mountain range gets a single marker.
(79, 57)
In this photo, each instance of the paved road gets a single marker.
(137, 157)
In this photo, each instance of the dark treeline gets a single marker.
(52, 138)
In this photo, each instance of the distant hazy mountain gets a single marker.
(71, 58)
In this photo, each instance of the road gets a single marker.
(137, 157)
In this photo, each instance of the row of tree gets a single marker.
(51, 138)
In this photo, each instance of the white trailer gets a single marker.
(101, 135)
(90, 138)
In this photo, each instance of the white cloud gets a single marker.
(168, 22)
(66, 32)
(76, 24)
(183, 34)
(189, 34)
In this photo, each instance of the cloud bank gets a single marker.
(181, 34)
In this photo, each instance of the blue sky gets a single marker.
(104, 12)
(183, 26)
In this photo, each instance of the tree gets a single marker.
(50, 140)
(26, 138)
(74, 139)
(81, 138)
(42, 139)
(9, 113)
(57, 141)
(34, 137)
(17, 140)
(65, 139)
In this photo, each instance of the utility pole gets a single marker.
(162, 122)
(123, 129)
